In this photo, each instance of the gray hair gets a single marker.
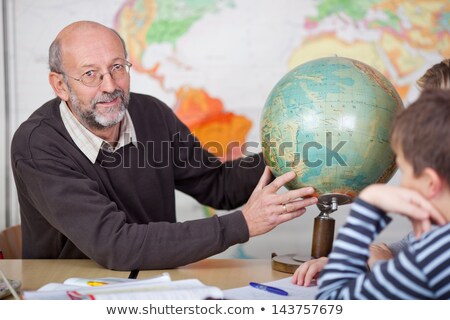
(55, 54)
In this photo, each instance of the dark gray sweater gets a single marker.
(120, 211)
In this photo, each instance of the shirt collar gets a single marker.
(89, 143)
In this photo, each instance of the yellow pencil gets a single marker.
(96, 283)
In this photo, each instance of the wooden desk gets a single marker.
(222, 273)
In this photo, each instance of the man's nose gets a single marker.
(108, 83)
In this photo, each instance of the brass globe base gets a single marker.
(330, 201)
(288, 262)
(323, 234)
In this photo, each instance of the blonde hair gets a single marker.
(438, 76)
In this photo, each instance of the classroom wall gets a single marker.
(3, 135)
(226, 55)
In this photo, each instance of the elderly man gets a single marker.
(96, 169)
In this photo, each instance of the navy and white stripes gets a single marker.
(421, 271)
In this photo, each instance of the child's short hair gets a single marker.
(422, 133)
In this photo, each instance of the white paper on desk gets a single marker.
(58, 291)
(157, 289)
(174, 290)
(51, 291)
(296, 292)
(93, 282)
(90, 282)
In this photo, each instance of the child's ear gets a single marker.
(59, 86)
(434, 183)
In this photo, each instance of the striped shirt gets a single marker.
(421, 271)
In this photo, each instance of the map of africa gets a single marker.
(215, 61)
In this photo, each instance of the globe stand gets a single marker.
(323, 234)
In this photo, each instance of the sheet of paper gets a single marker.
(75, 283)
(95, 282)
(174, 290)
(152, 288)
(295, 292)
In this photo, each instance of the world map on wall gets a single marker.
(215, 61)
(398, 38)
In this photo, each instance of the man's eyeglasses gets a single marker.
(93, 78)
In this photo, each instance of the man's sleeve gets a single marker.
(72, 204)
(200, 174)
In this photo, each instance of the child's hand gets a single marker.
(379, 252)
(406, 202)
(309, 271)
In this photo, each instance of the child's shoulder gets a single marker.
(437, 239)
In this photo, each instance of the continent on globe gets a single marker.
(329, 121)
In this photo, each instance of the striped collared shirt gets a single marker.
(89, 143)
(421, 271)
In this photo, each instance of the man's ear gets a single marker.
(434, 183)
(58, 85)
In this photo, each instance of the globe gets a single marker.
(329, 121)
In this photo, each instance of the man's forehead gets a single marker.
(90, 45)
(84, 34)
(81, 27)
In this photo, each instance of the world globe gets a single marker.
(329, 121)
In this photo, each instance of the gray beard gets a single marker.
(91, 119)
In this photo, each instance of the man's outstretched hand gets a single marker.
(266, 209)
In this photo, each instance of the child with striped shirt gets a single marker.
(421, 141)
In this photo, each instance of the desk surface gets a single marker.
(223, 273)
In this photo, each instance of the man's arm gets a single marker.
(85, 219)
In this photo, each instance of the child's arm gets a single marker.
(406, 202)
(308, 272)
(379, 252)
(346, 277)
